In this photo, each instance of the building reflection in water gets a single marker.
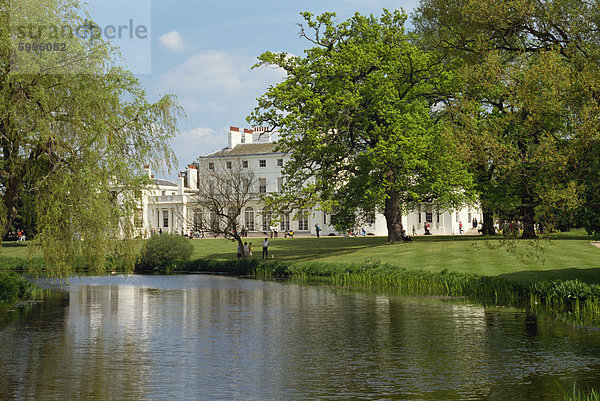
(207, 337)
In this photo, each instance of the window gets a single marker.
(245, 164)
(262, 185)
(457, 217)
(262, 163)
(302, 221)
(211, 166)
(420, 218)
(429, 217)
(266, 221)
(214, 222)
(371, 219)
(279, 184)
(165, 218)
(279, 162)
(438, 217)
(324, 218)
(229, 165)
(284, 224)
(249, 218)
(198, 221)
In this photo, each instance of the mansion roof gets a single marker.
(165, 183)
(246, 149)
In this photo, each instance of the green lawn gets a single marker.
(15, 249)
(566, 257)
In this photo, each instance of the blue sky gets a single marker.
(202, 52)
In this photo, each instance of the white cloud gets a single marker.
(172, 41)
(220, 72)
(200, 132)
(217, 89)
(190, 144)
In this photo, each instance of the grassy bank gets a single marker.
(562, 274)
(568, 257)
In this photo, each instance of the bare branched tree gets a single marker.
(226, 187)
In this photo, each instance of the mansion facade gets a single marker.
(174, 207)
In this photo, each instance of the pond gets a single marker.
(211, 337)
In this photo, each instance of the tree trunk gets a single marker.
(238, 238)
(488, 223)
(393, 215)
(528, 221)
(10, 201)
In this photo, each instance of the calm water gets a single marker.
(210, 337)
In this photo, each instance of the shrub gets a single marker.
(12, 289)
(163, 253)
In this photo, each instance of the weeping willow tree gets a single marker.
(75, 132)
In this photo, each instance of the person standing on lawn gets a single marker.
(265, 254)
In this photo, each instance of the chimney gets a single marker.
(180, 184)
(234, 137)
(192, 173)
(247, 136)
(148, 170)
(262, 135)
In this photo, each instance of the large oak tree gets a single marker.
(356, 114)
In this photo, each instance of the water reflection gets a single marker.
(206, 337)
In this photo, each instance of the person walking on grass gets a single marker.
(265, 254)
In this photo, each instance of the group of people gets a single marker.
(246, 249)
(18, 235)
(358, 232)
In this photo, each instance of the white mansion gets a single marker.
(172, 207)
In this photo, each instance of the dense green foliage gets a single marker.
(355, 115)
(164, 253)
(527, 103)
(13, 288)
(75, 132)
